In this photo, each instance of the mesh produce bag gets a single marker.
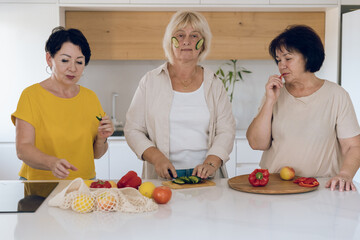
(82, 199)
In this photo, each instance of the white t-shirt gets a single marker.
(189, 125)
(305, 131)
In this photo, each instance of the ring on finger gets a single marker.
(343, 180)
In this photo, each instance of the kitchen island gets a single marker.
(216, 212)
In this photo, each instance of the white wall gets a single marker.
(24, 29)
(122, 77)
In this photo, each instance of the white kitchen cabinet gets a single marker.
(28, 1)
(94, 1)
(304, 2)
(350, 2)
(236, 2)
(9, 162)
(167, 2)
(102, 167)
(231, 163)
(122, 159)
(24, 29)
(350, 61)
(247, 159)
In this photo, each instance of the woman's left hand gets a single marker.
(208, 168)
(342, 182)
(106, 128)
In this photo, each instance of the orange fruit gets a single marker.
(106, 201)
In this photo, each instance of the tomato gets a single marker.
(162, 194)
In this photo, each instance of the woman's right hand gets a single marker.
(272, 88)
(163, 167)
(162, 164)
(60, 168)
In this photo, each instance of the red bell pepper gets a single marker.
(306, 182)
(259, 177)
(301, 179)
(100, 184)
(130, 179)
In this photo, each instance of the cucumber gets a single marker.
(178, 181)
(175, 42)
(194, 179)
(188, 180)
(199, 44)
(185, 179)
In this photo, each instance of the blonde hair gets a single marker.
(180, 20)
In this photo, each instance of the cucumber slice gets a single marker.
(199, 44)
(175, 42)
(186, 179)
(178, 181)
(194, 179)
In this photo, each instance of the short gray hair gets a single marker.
(180, 20)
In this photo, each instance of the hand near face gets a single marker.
(273, 87)
(106, 128)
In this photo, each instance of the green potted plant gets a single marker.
(231, 77)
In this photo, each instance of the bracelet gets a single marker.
(211, 164)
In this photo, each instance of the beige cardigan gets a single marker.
(147, 120)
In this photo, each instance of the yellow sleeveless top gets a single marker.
(64, 127)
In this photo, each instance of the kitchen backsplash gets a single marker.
(122, 77)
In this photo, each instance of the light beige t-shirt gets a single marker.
(305, 131)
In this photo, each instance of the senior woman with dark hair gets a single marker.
(57, 132)
(180, 120)
(306, 122)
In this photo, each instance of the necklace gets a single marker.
(184, 82)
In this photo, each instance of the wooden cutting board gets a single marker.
(274, 186)
(205, 183)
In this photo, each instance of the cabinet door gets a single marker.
(236, 35)
(350, 61)
(24, 29)
(303, 2)
(235, 2)
(122, 160)
(167, 2)
(95, 1)
(231, 164)
(350, 2)
(10, 164)
(247, 158)
(102, 167)
(28, 1)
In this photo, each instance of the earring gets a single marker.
(46, 69)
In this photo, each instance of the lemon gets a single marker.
(113, 184)
(146, 189)
(83, 203)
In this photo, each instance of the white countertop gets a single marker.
(217, 212)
